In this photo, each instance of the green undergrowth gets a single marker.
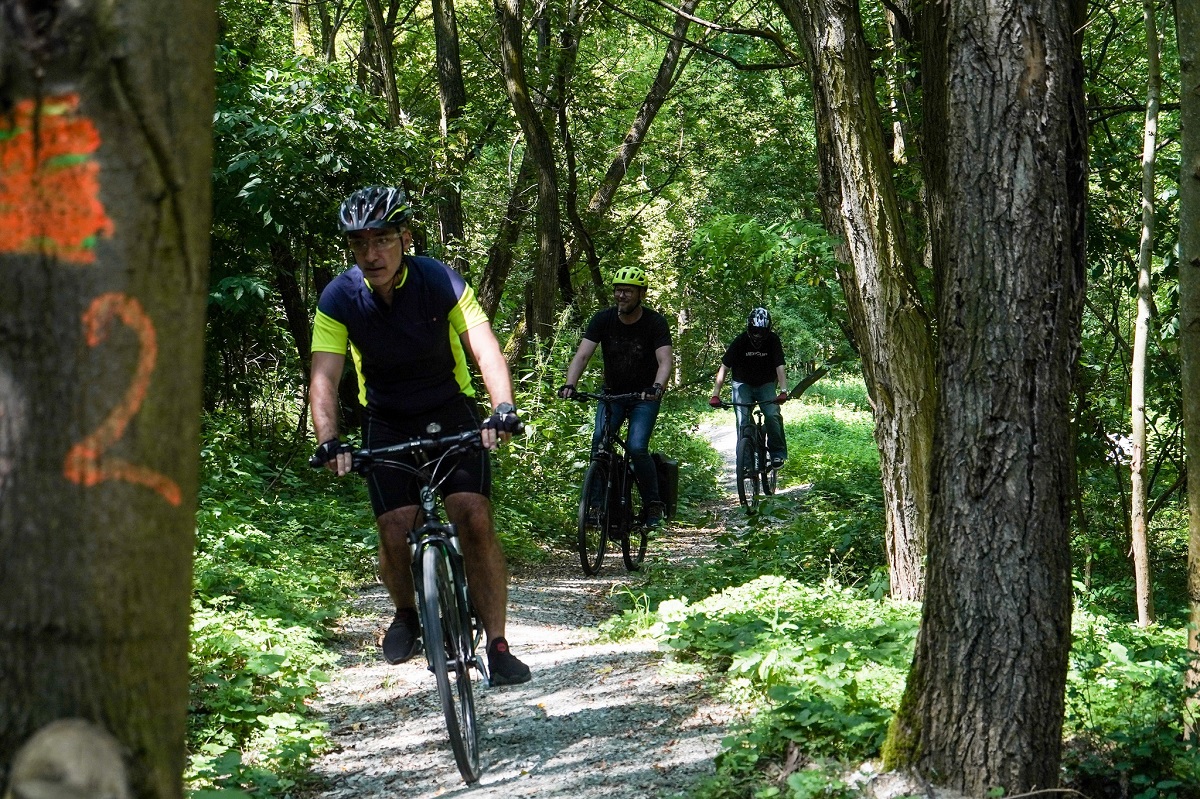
(790, 617)
(279, 548)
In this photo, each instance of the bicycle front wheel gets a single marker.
(593, 519)
(445, 623)
(747, 474)
(633, 532)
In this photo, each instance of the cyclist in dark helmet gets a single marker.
(756, 358)
(409, 323)
(635, 342)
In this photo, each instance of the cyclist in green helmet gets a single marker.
(635, 343)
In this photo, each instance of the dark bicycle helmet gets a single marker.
(759, 318)
(630, 276)
(375, 207)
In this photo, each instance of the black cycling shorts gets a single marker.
(392, 487)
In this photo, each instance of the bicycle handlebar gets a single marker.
(748, 404)
(586, 395)
(361, 458)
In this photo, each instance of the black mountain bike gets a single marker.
(618, 513)
(755, 474)
(449, 626)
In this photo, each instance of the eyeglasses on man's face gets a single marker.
(380, 243)
(624, 291)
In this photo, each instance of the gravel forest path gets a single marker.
(599, 720)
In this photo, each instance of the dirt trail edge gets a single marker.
(598, 721)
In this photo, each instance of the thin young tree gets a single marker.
(105, 142)
(983, 705)
(1187, 31)
(1141, 334)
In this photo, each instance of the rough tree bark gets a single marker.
(542, 301)
(1137, 467)
(1187, 28)
(983, 706)
(500, 254)
(105, 142)
(890, 325)
(387, 59)
(453, 95)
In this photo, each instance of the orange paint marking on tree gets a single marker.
(49, 182)
(85, 464)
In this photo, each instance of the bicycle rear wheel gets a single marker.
(747, 474)
(446, 625)
(593, 521)
(633, 532)
(770, 475)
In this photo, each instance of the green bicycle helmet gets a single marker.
(630, 276)
(375, 207)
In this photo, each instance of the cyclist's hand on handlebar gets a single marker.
(334, 454)
(500, 426)
(567, 392)
(655, 392)
(782, 398)
(714, 401)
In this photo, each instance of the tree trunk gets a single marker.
(328, 31)
(540, 324)
(500, 253)
(1141, 335)
(1187, 29)
(890, 325)
(387, 59)
(302, 39)
(983, 706)
(453, 96)
(289, 275)
(104, 229)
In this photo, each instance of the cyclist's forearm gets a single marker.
(323, 394)
(485, 349)
(580, 361)
(781, 378)
(663, 354)
(720, 381)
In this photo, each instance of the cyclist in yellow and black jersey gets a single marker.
(409, 323)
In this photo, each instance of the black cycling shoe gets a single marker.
(403, 638)
(504, 667)
(655, 513)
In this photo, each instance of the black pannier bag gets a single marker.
(668, 481)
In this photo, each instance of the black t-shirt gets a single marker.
(754, 364)
(629, 360)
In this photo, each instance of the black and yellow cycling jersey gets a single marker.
(408, 355)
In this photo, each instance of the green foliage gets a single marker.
(1126, 698)
(824, 666)
(275, 560)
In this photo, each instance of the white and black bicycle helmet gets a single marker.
(373, 208)
(760, 320)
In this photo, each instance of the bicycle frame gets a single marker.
(618, 519)
(759, 473)
(449, 623)
(612, 446)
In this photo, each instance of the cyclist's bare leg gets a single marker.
(486, 570)
(395, 559)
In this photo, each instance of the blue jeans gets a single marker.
(641, 414)
(772, 415)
